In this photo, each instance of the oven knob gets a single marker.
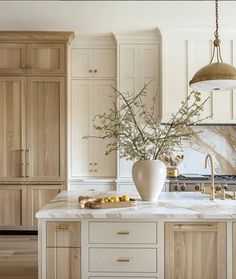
(183, 187)
(176, 187)
(225, 186)
(197, 187)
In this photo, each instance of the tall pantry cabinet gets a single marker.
(93, 77)
(33, 72)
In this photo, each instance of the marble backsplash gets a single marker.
(219, 141)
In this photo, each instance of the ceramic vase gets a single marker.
(149, 177)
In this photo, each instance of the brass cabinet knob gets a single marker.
(95, 164)
(90, 70)
(95, 71)
(95, 170)
(90, 164)
(29, 67)
(91, 170)
(23, 67)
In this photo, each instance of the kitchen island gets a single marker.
(182, 235)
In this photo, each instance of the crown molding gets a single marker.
(94, 41)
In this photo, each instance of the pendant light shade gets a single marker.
(217, 76)
(214, 77)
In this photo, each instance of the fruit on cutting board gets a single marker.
(113, 199)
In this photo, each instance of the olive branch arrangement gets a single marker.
(131, 126)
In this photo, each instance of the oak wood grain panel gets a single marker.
(195, 253)
(63, 234)
(13, 206)
(12, 58)
(46, 58)
(63, 263)
(38, 196)
(46, 129)
(12, 128)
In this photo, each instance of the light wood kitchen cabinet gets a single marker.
(13, 207)
(12, 128)
(33, 72)
(12, 58)
(38, 196)
(46, 58)
(63, 250)
(45, 151)
(89, 98)
(93, 63)
(63, 263)
(195, 250)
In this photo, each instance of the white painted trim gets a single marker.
(83, 41)
(148, 37)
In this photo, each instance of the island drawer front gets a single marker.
(63, 234)
(123, 260)
(123, 232)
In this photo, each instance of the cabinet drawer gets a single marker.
(63, 234)
(122, 260)
(122, 232)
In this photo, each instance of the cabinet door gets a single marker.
(13, 207)
(81, 117)
(12, 58)
(195, 251)
(104, 63)
(82, 62)
(45, 153)
(12, 128)
(38, 196)
(103, 98)
(129, 68)
(63, 263)
(46, 58)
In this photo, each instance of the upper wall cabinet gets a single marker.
(93, 63)
(138, 64)
(12, 58)
(181, 58)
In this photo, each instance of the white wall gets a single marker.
(102, 17)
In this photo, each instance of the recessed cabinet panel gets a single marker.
(12, 58)
(81, 118)
(63, 263)
(12, 128)
(103, 98)
(45, 119)
(104, 63)
(63, 234)
(82, 62)
(38, 196)
(195, 251)
(13, 206)
(46, 58)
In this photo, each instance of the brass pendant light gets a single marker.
(216, 76)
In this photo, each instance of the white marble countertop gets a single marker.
(174, 205)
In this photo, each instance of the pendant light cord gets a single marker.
(217, 18)
(216, 43)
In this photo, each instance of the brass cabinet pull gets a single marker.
(63, 227)
(195, 227)
(123, 260)
(22, 163)
(27, 163)
(122, 233)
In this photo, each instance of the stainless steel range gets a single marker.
(194, 183)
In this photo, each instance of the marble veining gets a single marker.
(181, 206)
(220, 141)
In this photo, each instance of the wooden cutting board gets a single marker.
(93, 204)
